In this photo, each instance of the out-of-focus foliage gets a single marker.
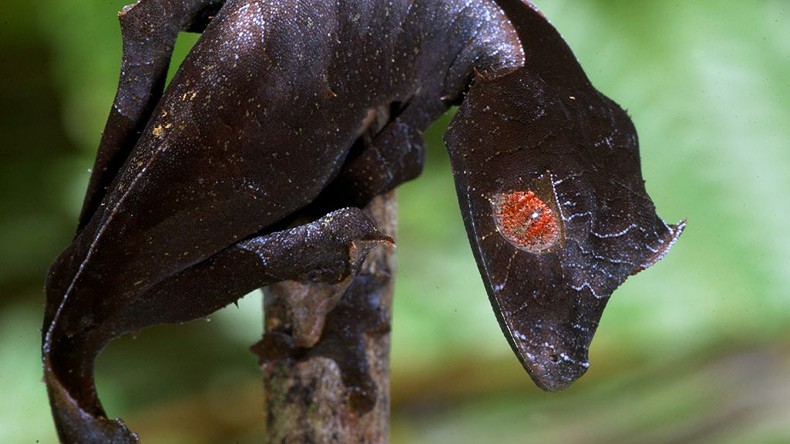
(697, 349)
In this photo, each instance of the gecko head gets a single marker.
(538, 288)
(549, 181)
(546, 323)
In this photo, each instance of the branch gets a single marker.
(335, 389)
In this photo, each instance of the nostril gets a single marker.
(554, 358)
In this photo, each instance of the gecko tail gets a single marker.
(69, 377)
(77, 425)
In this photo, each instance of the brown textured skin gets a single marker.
(194, 188)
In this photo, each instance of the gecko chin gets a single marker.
(554, 370)
(551, 333)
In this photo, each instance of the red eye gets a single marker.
(526, 221)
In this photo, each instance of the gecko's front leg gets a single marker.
(329, 249)
(393, 155)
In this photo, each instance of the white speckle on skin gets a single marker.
(616, 234)
(579, 288)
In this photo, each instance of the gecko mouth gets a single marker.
(555, 371)
(553, 364)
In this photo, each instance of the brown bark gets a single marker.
(331, 384)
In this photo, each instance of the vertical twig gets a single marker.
(336, 391)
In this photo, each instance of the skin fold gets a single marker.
(196, 189)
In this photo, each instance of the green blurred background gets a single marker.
(695, 350)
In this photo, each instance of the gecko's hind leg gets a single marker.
(329, 249)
